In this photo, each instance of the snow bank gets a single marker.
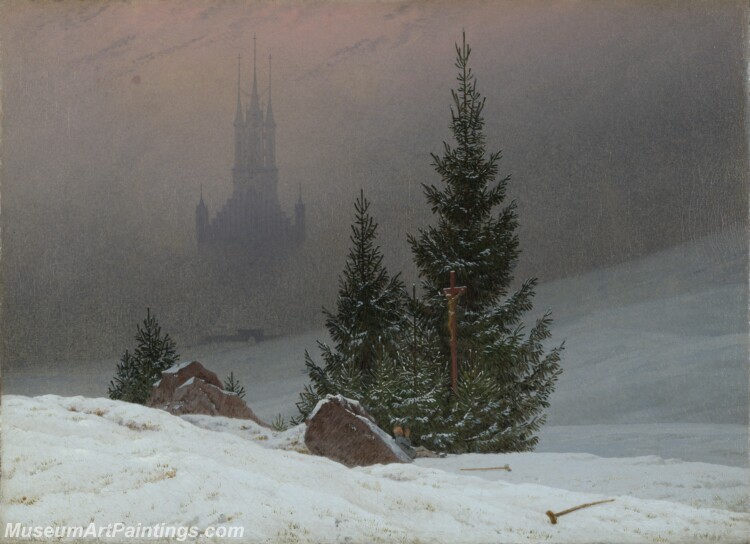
(77, 460)
(292, 439)
(701, 485)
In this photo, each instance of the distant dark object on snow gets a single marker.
(340, 429)
(190, 388)
(243, 335)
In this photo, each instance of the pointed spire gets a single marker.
(269, 128)
(254, 99)
(269, 110)
(238, 117)
(299, 218)
(201, 204)
(255, 57)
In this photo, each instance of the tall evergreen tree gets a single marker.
(408, 388)
(505, 377)
(367, 318)
(137, 372)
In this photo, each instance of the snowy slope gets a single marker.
(661, 339)
(75, 461)
(647, 477)
(723, 444)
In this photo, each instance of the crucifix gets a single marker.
(452, 293)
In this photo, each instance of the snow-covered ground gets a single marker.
(660, 339)
(709, 443)
(652, 409)
(72, 461)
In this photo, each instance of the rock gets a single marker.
(340, 429)
(190, 388)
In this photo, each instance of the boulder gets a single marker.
(190, 388)
(340, 429)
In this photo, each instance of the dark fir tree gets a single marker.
(233, 385)
(505, 374)
(137, 372)
(367, 319)
(128, 383)
(408, 388)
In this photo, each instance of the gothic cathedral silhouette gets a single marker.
(252, 218)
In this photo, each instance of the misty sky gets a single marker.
(621, 123)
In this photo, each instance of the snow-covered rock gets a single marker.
(342, 430)
(190, 388)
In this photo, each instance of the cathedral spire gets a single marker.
(270, 127)
(239, 131)
(299, 218)
(254, 98)
(202, 223)
(269, 110)
(254, 120)
(238, 117)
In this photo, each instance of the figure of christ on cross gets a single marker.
(452, 293)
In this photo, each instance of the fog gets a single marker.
(621, 123)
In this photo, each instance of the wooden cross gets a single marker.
(452, 293)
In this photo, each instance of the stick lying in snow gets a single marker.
(506, 467)
(553, 517)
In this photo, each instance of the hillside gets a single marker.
(660, 339)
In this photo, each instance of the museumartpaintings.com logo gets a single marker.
(119, 531)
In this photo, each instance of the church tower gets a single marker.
(252, 218)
